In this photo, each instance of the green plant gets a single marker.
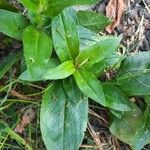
(72, 58)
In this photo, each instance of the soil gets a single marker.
(8, 45)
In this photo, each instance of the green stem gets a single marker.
(18, 138)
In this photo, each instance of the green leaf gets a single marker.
(40, 20)
(4, 4)
(52, 7)
(115, 98)
(65, 35)
(87, 38)
(3, 133)
(116, 113)
(114, 60)
(37, 50)
(136, 64)
(111, 61)
(142, 136)
(92, 20)
(90, 86)
(126, 127)
(98, 68)
(33, 5)
(6, 63)
(56, 6)
(134, 75)
(12, 24)
(106, 46)
(133, 128)
(147, 99)
(26, 76)
(62, 122)
(35, 12)
(53, 62)
(71, 89)
(60, 72)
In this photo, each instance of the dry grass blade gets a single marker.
(98, 116)
(88, 146)
(18, 95)
(95, 137)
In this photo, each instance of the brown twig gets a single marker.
(95, 137)
(98, 116)
(88, 146)
(20, 96)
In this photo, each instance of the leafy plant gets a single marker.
(92, 20)
(57, 48)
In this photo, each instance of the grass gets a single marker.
(13, 105)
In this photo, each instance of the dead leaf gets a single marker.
(27, 118)
(114, 10)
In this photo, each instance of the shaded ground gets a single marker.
(135, 24)
(8, 45)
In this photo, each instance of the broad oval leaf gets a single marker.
(52, 8)
(60, 72)
(142, 136)
(92, 20)
(112, 61)
(125, 127)
(136, 64)
(62, 122)
(65, 35)
(26, 76)
(12, 24)
(115, 98)
(133, 128)
(90, 86)
(56, 6)
(6, 63)
(71, 89)
(98, 68)
(87, 38)
(105, 46)
(37, 50)
(134, 75)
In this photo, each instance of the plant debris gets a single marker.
(27, 118)
(114, 10)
